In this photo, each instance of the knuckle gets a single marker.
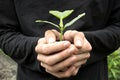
(89, 47)
(49, 69)
(44, 49)
(73, 50)
(88, 55)
(47, 61)
(36, 49)
(41, 64)
(74, 57)
(47, 32)
(67, 32)
(81, 34)
(41, 40)
(38, 58)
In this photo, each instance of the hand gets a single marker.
(81, 43)
(75, 37)
(52, 66)
(78, 39)
(55, 56)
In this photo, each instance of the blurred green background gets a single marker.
(8, 66)
(114, 65)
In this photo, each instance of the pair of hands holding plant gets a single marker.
(63, 58)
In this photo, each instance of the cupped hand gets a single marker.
(63, 59)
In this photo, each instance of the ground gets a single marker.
(7, 68)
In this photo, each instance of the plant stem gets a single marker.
(61, 33)
(61, 23)
(61, 29)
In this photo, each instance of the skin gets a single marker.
(63, 58)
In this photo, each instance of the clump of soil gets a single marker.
(7, 67)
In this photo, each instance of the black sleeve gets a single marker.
(107, 40)
(16, 45)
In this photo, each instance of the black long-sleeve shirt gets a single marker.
(19, 33)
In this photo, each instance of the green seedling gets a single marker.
(61, 16)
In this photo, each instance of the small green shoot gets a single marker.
(61, 16)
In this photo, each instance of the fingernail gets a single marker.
(66, 43)
(51, 40)
(78, 43)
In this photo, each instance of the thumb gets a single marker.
(74, 37)
(79, 39)
(50, 36)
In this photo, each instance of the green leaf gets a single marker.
(74, 20)
(48, 22)
(61, 15)
(55, 13)
(114, 65)
(113, 73)
(66, 13)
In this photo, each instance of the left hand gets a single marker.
(81, 43)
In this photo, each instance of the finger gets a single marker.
(75, 72)
(40, 41)
(64, 59)
(50, 36)
(81, 59)
(79, 39)
(86, 47)
(59, 66)
(53, 47)
(69, 35)
(75, 37)
(80, 63)
(65, 74)
(55, 58)
(57, 34)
